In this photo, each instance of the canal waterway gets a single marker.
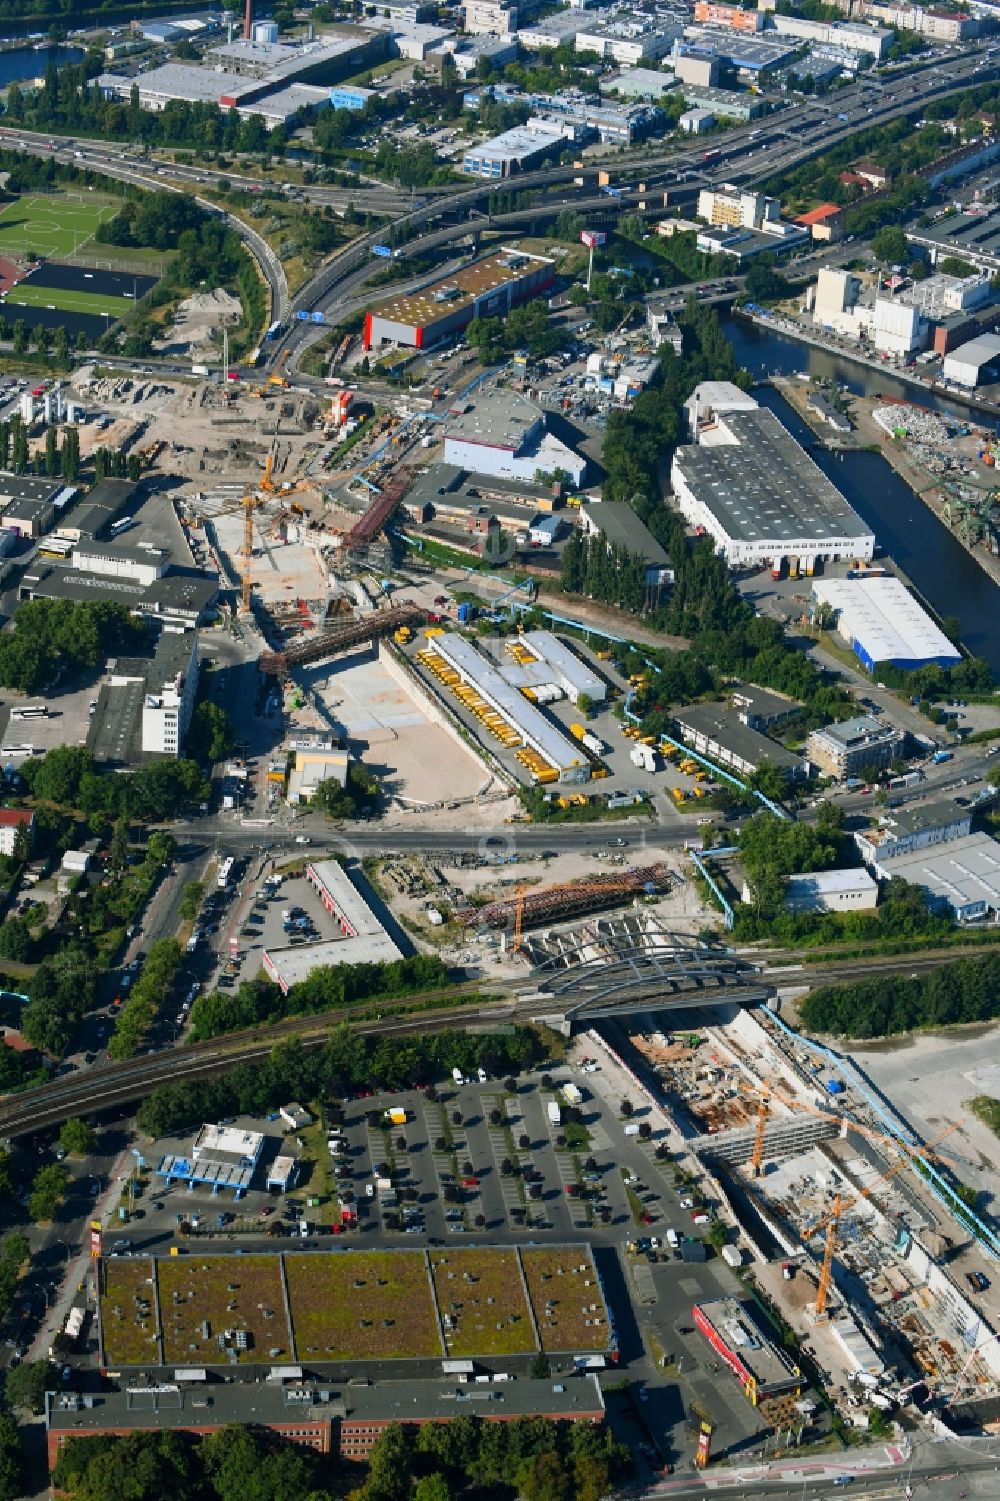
(24, 62)
(905, 528)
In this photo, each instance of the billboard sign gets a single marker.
(383, 250)
(593, 238)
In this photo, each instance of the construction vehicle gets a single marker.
(677, 794)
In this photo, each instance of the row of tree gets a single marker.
(329, 988)
(53, 637)
(145, 999)
(346, 1063)
(69, 777)
(967, 990)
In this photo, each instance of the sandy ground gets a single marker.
(930, 1079)
(197, 318)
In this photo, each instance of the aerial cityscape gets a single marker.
(499, 698)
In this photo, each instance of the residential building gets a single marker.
(854, 746)
(752, 488)
(882, 622)
(504, 435)
(920, 826)
(737, 208)
(717, 731)
(733, 16)
(825, 223)
(662, 324)
(491, 17)
(12, 821)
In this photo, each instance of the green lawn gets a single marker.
(52, 224)
(67, 300)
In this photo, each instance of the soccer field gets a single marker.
(53, 224)
(67, 301)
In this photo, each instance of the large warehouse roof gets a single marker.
(976, 352)
(884, 622)
(459, 289)
(964, 872)
(762, 485)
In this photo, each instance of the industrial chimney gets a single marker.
(248, 22)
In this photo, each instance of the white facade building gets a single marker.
(748, 484)
(969, 363)
(894, 325)
(171, 686)
(882, 622)
(869, 39)
(504, 436)
(628, 43)
(737, 208)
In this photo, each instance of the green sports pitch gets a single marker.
(66, 300)
(52, 225)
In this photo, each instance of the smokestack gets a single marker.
(248, 21)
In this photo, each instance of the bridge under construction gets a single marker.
(367, 627)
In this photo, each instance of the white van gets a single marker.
(672, 1238)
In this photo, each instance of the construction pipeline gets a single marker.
(553, 903)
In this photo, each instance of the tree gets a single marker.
(48, 1189)
(26, 1385)
(627, 1109)
(645, 1130)
(524, 1141)
(718, 1235)
(433, 1487)
(543, 1478)
(11, 1459)
(889, 245)
(71, 455)
(541, 1370)
(16, 941)
(51, 452)
(77, 1137)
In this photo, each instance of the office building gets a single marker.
(520, 147)
(553, 31)
(364, 940)
(350, 96)
(119, 560)
(179, 600)
(627, 42)
(882, 622)
(872, 40)
(750, 486)
(492, 17)
(334, 1418)
(905, 831)
(733, 16)
(466, 52)
(144, 706)
(504, 435)
(488, 288)
(853, 747)
(717, 731)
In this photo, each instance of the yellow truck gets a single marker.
(577, 731)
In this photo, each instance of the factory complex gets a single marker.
(747, 483)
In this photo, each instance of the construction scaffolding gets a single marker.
(379, 512)
(554, 903)
(314, 648)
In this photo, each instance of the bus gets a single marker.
(225, 873)
(56, 547)
(277, 327)
(117, 527)
(30, 711)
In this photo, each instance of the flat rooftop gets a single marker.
(518, 142)
(164, 1403)
(620, 526)
(719, 722)
(27, 487)
(824, 883)
(882, 616)
(565, 661)
(940, 814)
(975, 233)
(464, 286)
(964, 871)
(763, 486)
(331, 877)
(473, 667)
(188, 594)
(737, 1325)
(186, 81)
(863, 729)
(497, 419)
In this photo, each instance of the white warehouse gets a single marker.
(748, 484)
(970, 363)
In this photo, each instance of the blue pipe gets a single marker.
(715, 888)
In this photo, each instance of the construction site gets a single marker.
(853, 1234)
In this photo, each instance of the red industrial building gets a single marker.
(488, 288)
(737, 1337)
